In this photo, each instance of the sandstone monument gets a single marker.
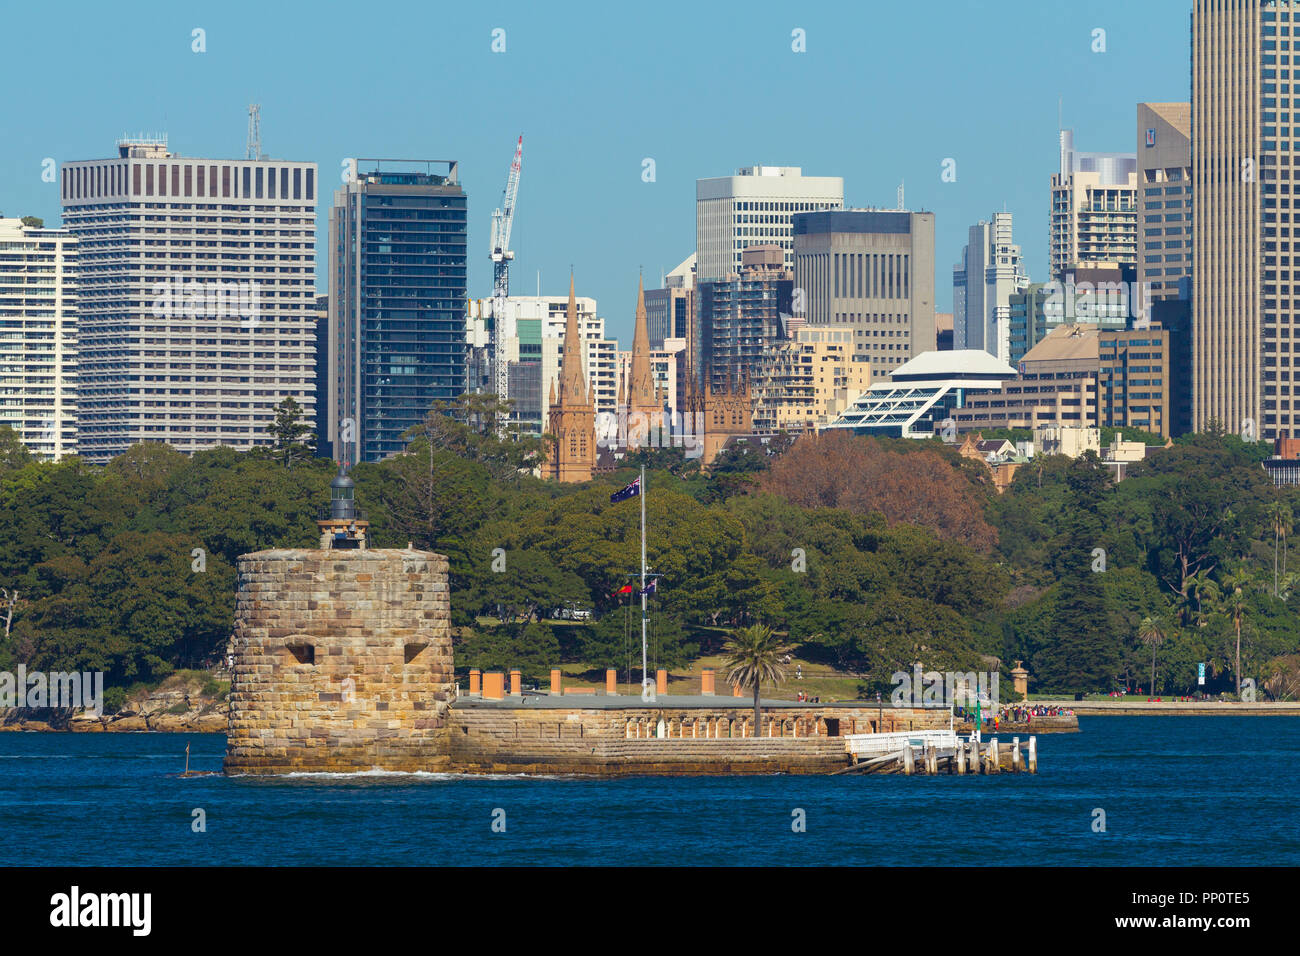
(341, 655)
(342, 662)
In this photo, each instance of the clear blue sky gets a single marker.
(884, 93)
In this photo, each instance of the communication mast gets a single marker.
(502, 219)
(254, 131)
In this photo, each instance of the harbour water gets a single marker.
(1175, 791)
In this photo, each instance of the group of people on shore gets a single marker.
(1022, 714)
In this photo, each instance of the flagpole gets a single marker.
(645, 676)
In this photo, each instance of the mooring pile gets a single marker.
(938, 752)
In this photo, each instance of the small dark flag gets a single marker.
(651, 588)
(631, 491)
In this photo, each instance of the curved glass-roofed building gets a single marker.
(922, 392)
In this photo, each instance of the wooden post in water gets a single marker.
(931, 758)
(1015, 754)
(959, 757)
(976, 765)
(908, 760)
(994, 765)
(1033, 755)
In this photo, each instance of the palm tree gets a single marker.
(1280, 517)
(1234, 606)
(1206, 591)
(1152, 632)
(754, 656)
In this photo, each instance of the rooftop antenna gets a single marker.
(254, 150)
(900, 196)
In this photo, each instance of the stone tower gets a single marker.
(641, 404)
(572, 418)
(719, 415)
(342, 655)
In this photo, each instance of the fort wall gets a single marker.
(536, 737)
(342, 661)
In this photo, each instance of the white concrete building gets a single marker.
(196, 300)
(600, 360)
(752, 208)
(531, 342)
(1094, 208)
(38, 337)
(990, 273)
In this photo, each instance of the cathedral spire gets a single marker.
(573, 378)
(572, 418)
(641, 391)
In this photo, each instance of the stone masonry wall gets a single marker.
(520, 739)
(342, 662)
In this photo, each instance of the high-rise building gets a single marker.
(1028, 321)
(530, 341)
(943, 331)
(324, 446)
(1096, 294)
(1244, 314)
(600, 356)
(1083, 376)
(754, 207)
(990, 273)
(38, 337)
(669, 310)
(196, 299)
(804, 383)
(1057, 382)
(665, 365)
(1175, 317)
(1164, 233)
(1133, 388)
(739, 316)
(1094, 208)
(397, 301)
(871, 272)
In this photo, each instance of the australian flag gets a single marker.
(631, 491)
(652, 587)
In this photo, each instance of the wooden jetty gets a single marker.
(938, 751)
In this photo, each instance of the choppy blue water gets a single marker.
(1176, 791)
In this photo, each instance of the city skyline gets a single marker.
(672, 88)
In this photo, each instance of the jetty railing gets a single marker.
(871, 744)
(935, 751)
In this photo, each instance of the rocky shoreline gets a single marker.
(46, 721)
(178, 705)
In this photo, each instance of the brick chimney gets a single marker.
(611, 681)
(494, 686)
(556, 683)
(706, 682)
(516, 683)
(475, 681)
(661, 681)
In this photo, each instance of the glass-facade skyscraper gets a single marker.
(396, 302)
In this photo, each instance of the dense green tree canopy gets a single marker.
(869, 555)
